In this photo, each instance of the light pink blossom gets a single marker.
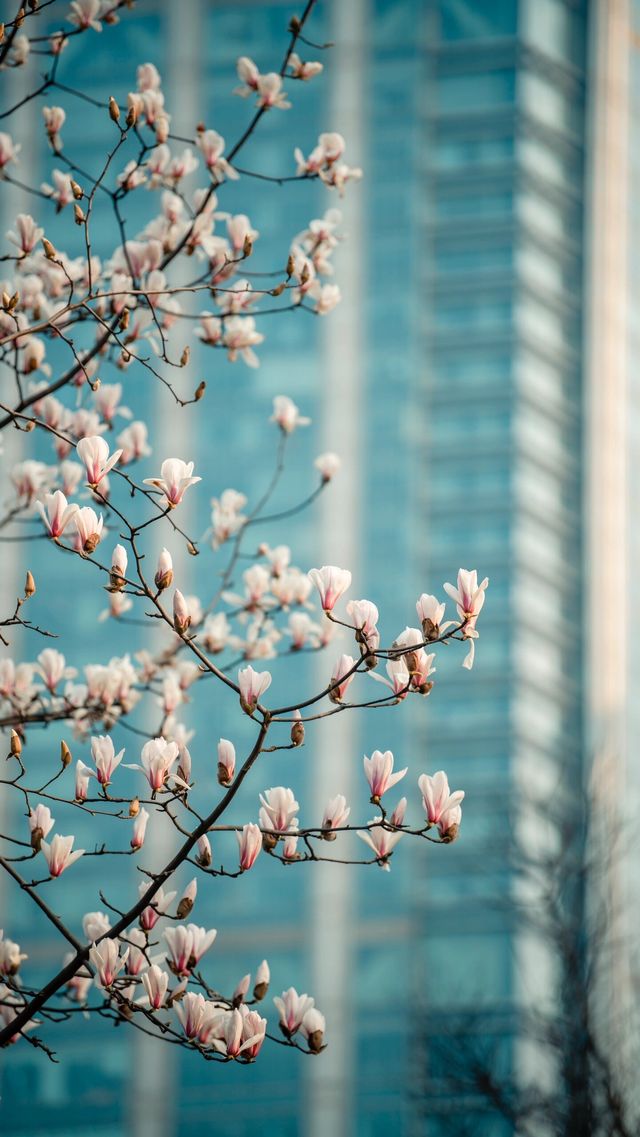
(252, 685)
(56, 513)
(270, 93)
(292, 1008)
(249, 845)
(89, 528)
(53, 668)
(469, 596)
(381, 840)
(40, 824)
(341, 676)
(378, 772)
(94, 452)
(175, 479)
(248, 75)
(280, 807)
(437, 799)
(328, 464)
(331, 583)
(155, 982)
(85, 14)
(58, 854)
(105, 758)
(335, 816)
(157, 758)
(211, 146)
(108, 962)
(28, 233)
(287, 415)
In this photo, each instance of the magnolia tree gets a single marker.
(75, 331)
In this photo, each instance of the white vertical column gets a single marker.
(154, 1087)
(615, 789)
(333, 902)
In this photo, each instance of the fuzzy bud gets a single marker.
(185, 357)
(49, 250)
(263, 976)
(16, 744)
(29, 585)
(164, 572)
(226, 762)
(181, 615)
(203, 856)
(114, 109)
(186, 902)
(200, 390)
(37, 837)
(118, 568)
(134, 807)
(76, 190)
(65, 754)
(297, 730)
(291, 265)
(78, 215)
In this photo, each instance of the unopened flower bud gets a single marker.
(132, 116)
(279, 289)
(186, 902)
(241, 990)
(118, 568)
(247, 246)
(49, 250)
(263, 975)
(76, 190)
(124, 320)
(65, 753)
(181, 615)
(134, 807)
(291, 265)
(114, 109)
(186, 356)
(203, 856)
(79, 216)
(16, 744)
(200, 390)
(37, 836)
(164, 572)
(226, 762)
(450, 834)
(269, 842)
(313, 1026)
(297, 730)
(29, 585)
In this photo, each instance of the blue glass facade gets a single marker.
(473, 152)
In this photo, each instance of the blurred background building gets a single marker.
(478, 382)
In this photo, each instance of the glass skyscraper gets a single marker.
(458, 381)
